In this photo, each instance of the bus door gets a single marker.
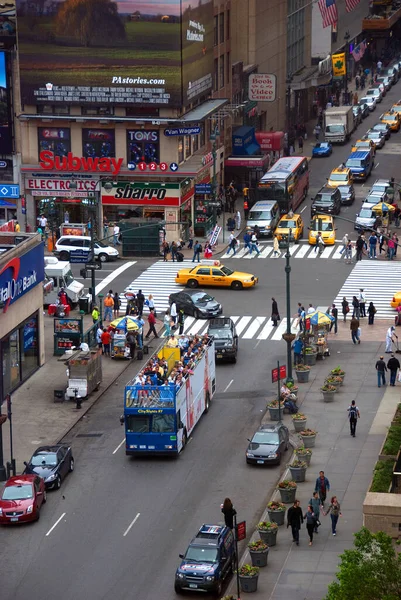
(180, 432)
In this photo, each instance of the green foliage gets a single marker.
(370, 571)
(382, 476)
(393, 440)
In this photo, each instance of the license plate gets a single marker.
(260, 462)
(13, 519)
(193, 585)
(219, 356)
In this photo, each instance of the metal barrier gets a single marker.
(89, 336)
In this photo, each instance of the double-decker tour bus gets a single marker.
(159, 415)
(287, 182)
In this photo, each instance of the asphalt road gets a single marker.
(116, 527)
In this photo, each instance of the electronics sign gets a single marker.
(5, 120)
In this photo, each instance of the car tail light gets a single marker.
(178, 274)
(393, 298)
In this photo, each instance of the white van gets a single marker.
(60, 273)
(265, 214)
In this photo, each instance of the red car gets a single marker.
(22, 499)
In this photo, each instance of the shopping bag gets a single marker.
(399, 376)
(359, 332)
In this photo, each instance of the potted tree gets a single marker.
(276, 512)
(328, 392)
(274, 410)
(298, 470)
(302, 372)
(304, 454)
(308, 437)
(310, 355)
(258, 551)
(299, 421)
(338, 371)
(287, 489)
(268, 532)
(248, 578)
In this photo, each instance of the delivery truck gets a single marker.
(338, 124)
(59, 271)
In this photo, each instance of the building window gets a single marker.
(142, 146)
(222, 70)
(195, 143)
(19, 352)
(202, 136)
(216, 75)
(188, 146)
(98, 143)
(228, 68)
(221, 26)
(216, 30)
(181, 149)
(228, 25)
(49, 109)
(97, 110)
(55, 139)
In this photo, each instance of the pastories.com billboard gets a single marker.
(116, 52)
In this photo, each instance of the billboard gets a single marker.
(56, 139)
(5, 120)
(142, 146)
(116, 52)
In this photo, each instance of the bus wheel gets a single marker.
(207, 402)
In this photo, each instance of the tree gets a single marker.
(370, 571)
(90, 22)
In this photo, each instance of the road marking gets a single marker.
(113, 275)
(227, 386)
(302, 251)
(327, 251)
(265, 252)
(119, 446)
(55, 524)
(377, 165)
(131, 525)
(267, 329)
(242, 324)
(303, 209)
(253, 328)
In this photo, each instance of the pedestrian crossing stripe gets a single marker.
(334, 252)
(379, 280)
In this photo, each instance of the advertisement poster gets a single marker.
(98, 143)
(56, 139)
(118, 52)
(67, 326)
(5, 128)
(142, 146)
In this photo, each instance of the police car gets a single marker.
(209, 558)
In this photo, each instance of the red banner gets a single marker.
(279, 373)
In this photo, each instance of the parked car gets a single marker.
(379, 86)
(67, 243)
(52, 463)
(370, 101)
(385, 81)
(380, 185)
(196, 303)
(21, 499)
(383, 128)
(357, 115)
(377, 137)
(268, 445)
(376, 93)
(364, 109)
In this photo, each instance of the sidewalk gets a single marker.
(303, 572)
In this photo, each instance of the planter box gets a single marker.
(305, 457)
(302, 376)
(248, 584)
(299, 425)
(268, 537)
(298, 473)
(310, 359)
(287, 495)
(308, 441)
(275, 413)
(329, 396)
(276, 516)
(259, 557)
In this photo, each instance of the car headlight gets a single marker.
(180, 575)
(1, 512)
(210, 578)
(29, 509)
(250, 454)
(247, 280)
(51, 477)
(273, 455)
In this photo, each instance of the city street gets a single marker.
(117, 525)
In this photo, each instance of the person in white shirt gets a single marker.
(311, 309)
(173, 312)
(42, 221)
(116, 235)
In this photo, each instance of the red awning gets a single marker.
(270, 140)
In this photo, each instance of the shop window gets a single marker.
(56, 139)
(221, 25)
(98, 143)
(143, 146)
(11, 362)
(195, 143)
(29, 347)
(222, 70)
(180, 149)
(19, 352)
(188, 151)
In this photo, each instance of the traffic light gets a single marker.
(82, 272)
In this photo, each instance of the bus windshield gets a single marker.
(271, 191)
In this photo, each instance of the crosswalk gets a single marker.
(302, 250)
(380, 281)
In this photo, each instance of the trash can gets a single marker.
(59, 395)
(84, 304)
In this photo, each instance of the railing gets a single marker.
(89, 336)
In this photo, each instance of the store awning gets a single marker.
(248, 161)
(270, 140)
(7, 203)
(203, 111)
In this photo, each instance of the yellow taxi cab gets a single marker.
(392, 119)
(340, 176)
(396, 301)
(324, 224)
(364, 145)
(215, 275)
(287, 222)
(396, 107)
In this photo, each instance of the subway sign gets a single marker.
(142, 194)
(20, 275)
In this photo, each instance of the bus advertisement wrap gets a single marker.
(112, 52)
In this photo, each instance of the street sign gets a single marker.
(9, 191)
(203, 188)
(93, 266)
(79, 256)
(279, 373)
(241, 531)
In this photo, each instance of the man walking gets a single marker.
(314, 502)
(353, 416)
(345, 242)
(254, 245)
(295, 519)
(393, 365)
(197, 251)
(362, 302)
(181, 320)
(298, 347)
(232, 244)
(173, 312)
(360, 244)
(116, 235)
(373, 245)
(247, 241)
(152, 323)
(322, 486)
(381, 369)
(334, 314)
(140, 301)
(354, 326)
(131, 341)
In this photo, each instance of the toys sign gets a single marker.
(262, 87)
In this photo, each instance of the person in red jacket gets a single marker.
(152, 323)
(106, 340)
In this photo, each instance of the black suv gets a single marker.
(327, 200)
(225, 338)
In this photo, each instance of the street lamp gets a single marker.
(346, 39)
(288, 337)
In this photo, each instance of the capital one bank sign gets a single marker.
(20, 275)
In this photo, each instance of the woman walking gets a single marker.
(151, 304)
(276, 251)
(345, 309)
(371, 312)
(334, 512)
(229, 512)
(117, 304)
(348, 252)
(166, 250)
(356, 309)
(310, 523)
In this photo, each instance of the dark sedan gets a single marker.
(52, 463)
(268, 445)
(364, 109)
(383, 128)
(347, 194)
(196, 303)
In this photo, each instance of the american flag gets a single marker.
(328, 10)
(351, 4)
(359, 51)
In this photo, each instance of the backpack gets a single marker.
(199, 247)
(353, 413)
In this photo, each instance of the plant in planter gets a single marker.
(268, 532)
(310, 355)
(275, 410)
(248, 578)
(328, 392)
(287, 489)
(258, 551)
(338, 371)
(276, 511)
(304, 454)
(302, 371)
(298, 470)
(308, 437)
(299, 421)
(335, 380)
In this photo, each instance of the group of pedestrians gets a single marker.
(371, 246)
(393, 366)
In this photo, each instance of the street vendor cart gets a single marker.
(121, 326)
(319, 325)
(84, 370)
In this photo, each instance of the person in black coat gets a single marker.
(295, 519)
(275, 313)
(140, 301)
(229, 512)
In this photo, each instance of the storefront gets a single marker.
(21, 313)
(9, 194)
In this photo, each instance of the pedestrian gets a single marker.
(345, 308)
(108, 307)
(140, 301)
(181, 320)
(334, 511)
(131, 341)
(311, 309)
(371, 313)
(167, 323)
(254, 244)
(317, 131)
(379, 66)
(390, 248)
(174, 250)
(229, 513)
(319, 242)
(197, 251)
(348, 253)
(105, 228)
(106, 340)
(230, 224)
(357, 81)
(373, 245)
(95, 314)
(354, 327)
(345, 241)
(382, 240)
(116, 305)
(360, 244)
(232, 244)
(166, 251)
(116, 235)
(395, 240)
(152, 323)
(298, 347)
(310, 518)
(247, 240)
(381, 372)
(275, 314)
(295, 520)
(301, 144)
(322, 486)
(362, 303)
(390, 339)
(238, 220)
(393, 365)
(99, 332)
(315, 504)
(173, 313)
(356, 309)
(150, 303)
(334, 314)
(353, 416)
(276, 251)
(397, 214)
